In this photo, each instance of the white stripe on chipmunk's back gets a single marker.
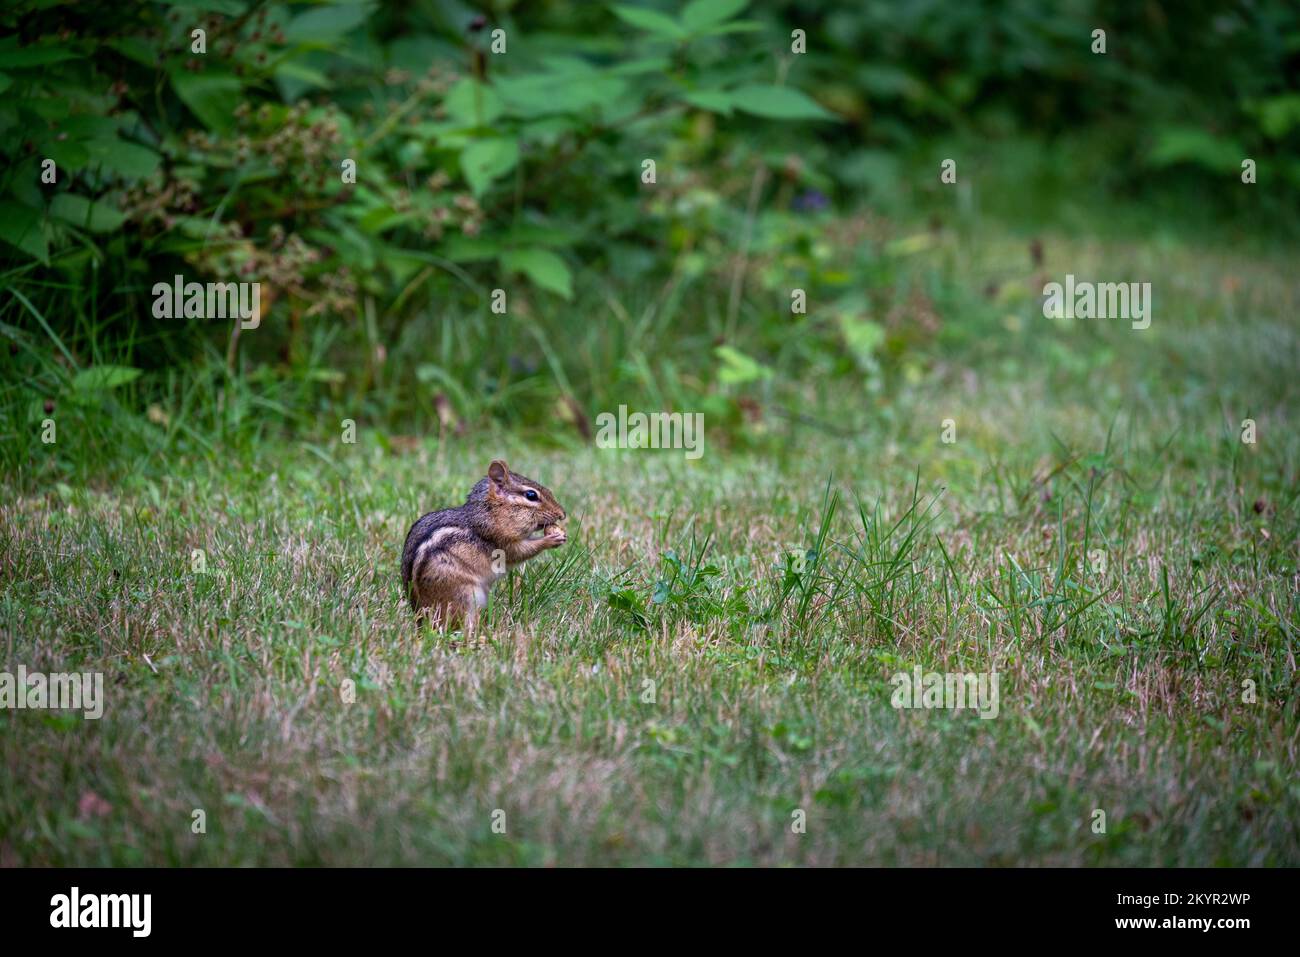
(431, 542)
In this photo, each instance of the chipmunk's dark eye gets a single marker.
(530, 495)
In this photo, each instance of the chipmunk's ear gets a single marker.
(499, 473)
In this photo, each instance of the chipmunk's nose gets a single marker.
(563, 515)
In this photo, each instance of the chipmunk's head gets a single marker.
(520, 507)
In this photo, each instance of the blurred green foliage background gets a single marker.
(503, 146)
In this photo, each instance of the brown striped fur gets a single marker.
(453, 556)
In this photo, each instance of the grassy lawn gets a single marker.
(712, 650)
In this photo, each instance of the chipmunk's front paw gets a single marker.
(555, 536)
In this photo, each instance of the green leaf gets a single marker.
(101, 378)
(231, 8)
(137, 49)
(1194, 145)
(212, 97)
(68, 155)
(21, 226)
(778, 103)
(48, 107)
(573, 67)
(700, 15)
(542, 234)
(738, 368)
(736, 26)
(294, 79)
(909, 245)
(545, 94)
(381, 219)
(1278, 115)
(469, 249)
(543, 267)
(98, 217)
(863, 337)
(129, 160)
(471, 103)
(884, 80)
(650, 20)
(14, 57)
(414, 52)
(640, 66)
(715, 101)
(326, 23)
(84, 126)
(485, 160)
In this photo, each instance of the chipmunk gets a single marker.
(453, 556)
